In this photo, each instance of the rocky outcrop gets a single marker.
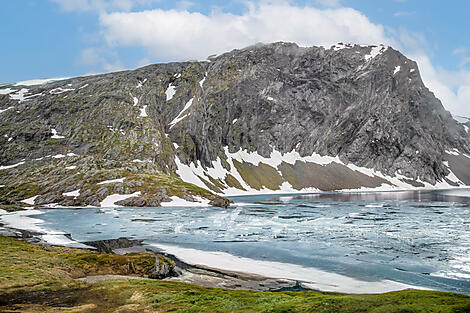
(164, 267)
(107, 246)
(263, 117)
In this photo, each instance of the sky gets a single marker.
(66, 38)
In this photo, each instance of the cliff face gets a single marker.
(276, 117)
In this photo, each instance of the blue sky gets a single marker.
(62, 38)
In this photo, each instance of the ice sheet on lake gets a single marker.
(309, 277)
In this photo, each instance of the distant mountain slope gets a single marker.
(262, 119)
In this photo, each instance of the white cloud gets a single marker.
(175, 35)
(452, 88)
(95, 57)
(459, 50)
(144, 62)
(181, 35)
(90, 56)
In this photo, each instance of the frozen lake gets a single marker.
(351, 242)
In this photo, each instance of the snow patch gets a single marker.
(35, 82)
(141, 83)
(340, 46)
(109, 201)
(55, 135)
(375, 51)
(143, 112)
(180, 116)
(19, 95)
(58, 156)
(5, 167)
(201, 83)
(196, 174)
(26, 98)
(6, 91)
(234, 121)
(170, 92)
(112, 181)
(136, 101)
(453, 152)
(141, 161)
(3, 110)
(397, 69)
(179, 202)
(62, 240)
(59, 90)
(71, 167)
(29, 201)
(74, 193)
(412, 70)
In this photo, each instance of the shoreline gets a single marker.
(260, 194)
(361, 190)
(212, 261)
(44, 278)
(223, 270)
(194, 274)
(307, 277)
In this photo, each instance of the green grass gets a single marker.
(36, 278)
(259, 176)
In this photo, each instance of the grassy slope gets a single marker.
(34, 278)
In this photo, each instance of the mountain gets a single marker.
(275, 117)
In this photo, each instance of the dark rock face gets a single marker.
(164, 267)
(324, 101)
(107, 246)
(366, 105)
(220, 202)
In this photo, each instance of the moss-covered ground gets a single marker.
(36, 278)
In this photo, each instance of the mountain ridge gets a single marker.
(272, 117)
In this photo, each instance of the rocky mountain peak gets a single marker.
(267, 117)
